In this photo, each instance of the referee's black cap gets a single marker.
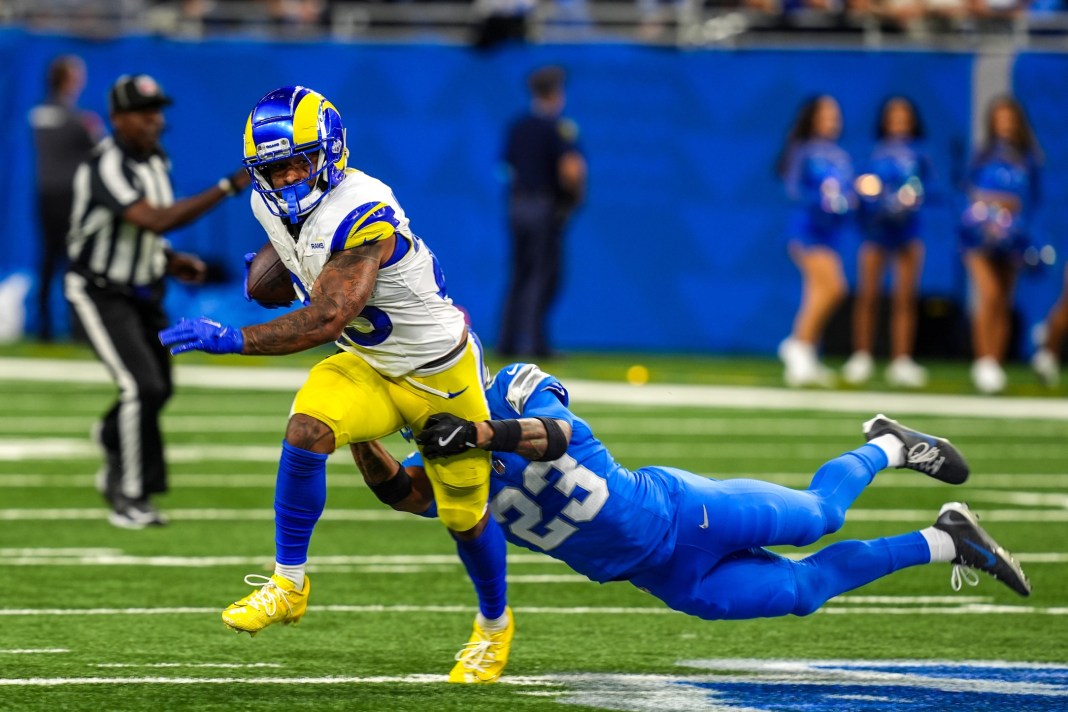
(136, 92)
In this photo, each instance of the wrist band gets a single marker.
(555, 442)
(226, 186)
(506, 435)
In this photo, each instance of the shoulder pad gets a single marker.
(513, 386)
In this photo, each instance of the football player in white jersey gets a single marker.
(371, 286)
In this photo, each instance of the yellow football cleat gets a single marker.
(277, 601)
(483, 659)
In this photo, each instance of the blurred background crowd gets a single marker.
(484, 22)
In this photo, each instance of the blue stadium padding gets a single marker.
(680, 246)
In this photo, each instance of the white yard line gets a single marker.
(1023, 499)
(654, 693)
(695, 425)
(829, 609)
(582, 391)
(189, 665)
(63, 551)
(50, 425)
(388, 515)
(34, 651)
(897, 600)
(700, 424)
(211, 515)
(65, 681)
(800, 480)
(256, 561)
(24, 449)
(758, 450)
(345, 564)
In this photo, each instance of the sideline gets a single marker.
(584, 391)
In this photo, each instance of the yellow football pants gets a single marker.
(360, 404)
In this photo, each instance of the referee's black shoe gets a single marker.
(977, 550)
(933, 456)
(128, 513)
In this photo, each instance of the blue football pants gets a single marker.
(719, 571)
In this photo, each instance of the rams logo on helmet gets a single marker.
(289, 122)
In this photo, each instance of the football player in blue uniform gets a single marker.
(995, 230)
(370, 285)
(891, 193)
(693, 542)
(818, 175)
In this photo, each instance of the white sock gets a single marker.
(893, 447)
(940, 543)
(293, 573)
(492, 626)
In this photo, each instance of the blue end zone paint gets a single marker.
(778, 697)
(829, 686)
(826, 686)
(965, 671)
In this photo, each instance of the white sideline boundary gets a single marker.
(828, 609)
(396, 562)
(658, 692)
(649, 395)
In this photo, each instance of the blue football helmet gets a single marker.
(288, 122)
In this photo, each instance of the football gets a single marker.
(268, 281)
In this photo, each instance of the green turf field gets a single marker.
(99, 618)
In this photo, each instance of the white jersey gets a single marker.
(409, 320)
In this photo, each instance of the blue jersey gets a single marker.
(1002, 195)
(584, 509)
(891, 192)
(693, 542)
(819, 179)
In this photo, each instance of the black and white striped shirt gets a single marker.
(101, 244)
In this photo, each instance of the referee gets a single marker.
(123, 203)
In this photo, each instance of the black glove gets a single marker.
(445, 434)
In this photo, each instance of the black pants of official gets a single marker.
(537, 262)
(54, 214)
(123, 330)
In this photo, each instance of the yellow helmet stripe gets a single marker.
(306, 119)
(250, 144)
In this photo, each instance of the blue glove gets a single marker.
(249, 256)
(202, 334)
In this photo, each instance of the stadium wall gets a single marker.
(680, 246)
